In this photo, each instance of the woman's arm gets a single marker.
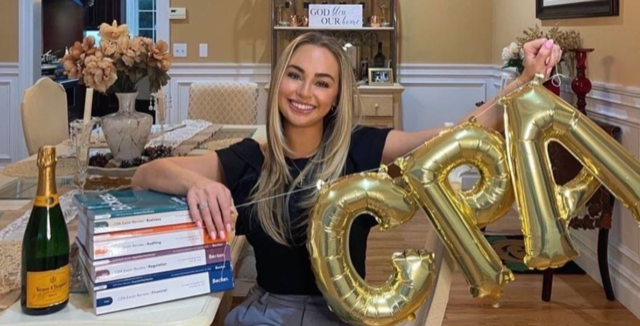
(200, 178)
(540, 56)
(176, 175)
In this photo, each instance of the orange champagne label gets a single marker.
(46, 201)
(48, 288)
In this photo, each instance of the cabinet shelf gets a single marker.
(381, 105)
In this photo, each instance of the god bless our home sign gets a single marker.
(336, 16)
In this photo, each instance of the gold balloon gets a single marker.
(347, 294)
(534, 117)
(457, 216)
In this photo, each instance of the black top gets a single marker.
(282, 269)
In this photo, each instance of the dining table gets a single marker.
(16, 196)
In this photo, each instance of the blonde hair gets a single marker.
(329, 161)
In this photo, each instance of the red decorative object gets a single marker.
(550, 86)
(581, 85)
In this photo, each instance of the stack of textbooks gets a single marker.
(141, 247)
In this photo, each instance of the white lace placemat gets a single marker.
(177, 136)
(15, 230)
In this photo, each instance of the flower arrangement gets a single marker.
(513, 55)
(119, 62)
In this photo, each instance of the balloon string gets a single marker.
(317, 185)
(556, 80)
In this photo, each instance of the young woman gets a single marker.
(312, 134)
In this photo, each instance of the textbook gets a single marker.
(126, 203)
(135, 242)
(135, 222)
(155, 262)
(157, 288)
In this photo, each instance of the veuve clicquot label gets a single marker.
(45, 246)
(45, 289)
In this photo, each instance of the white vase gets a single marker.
(127, 131)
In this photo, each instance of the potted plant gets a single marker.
(117, 65)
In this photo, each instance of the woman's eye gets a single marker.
(323, 84)
(293, 75)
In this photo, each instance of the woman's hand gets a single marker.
(211, 203)
(540, 56)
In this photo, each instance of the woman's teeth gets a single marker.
(301, 106)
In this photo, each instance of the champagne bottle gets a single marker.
(45, 246)
(379, 60)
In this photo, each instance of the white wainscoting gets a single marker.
(620, 107)
(439, 93)
(10, 127)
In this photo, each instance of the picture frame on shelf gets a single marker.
(380, 76)
(556, 9)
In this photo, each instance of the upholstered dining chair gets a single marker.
(228, 102)
(44, 114)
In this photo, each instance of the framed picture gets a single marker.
(555, 9)
(380, 76)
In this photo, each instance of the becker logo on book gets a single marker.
(219, 280)
(216, 256)
(114, 203)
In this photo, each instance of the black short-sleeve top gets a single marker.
(287, 269)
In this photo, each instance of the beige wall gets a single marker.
(616, 59)
(432, 31)
(235, 31)
(9, 31)
(451, 31)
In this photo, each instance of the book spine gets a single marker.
(159, 264)
(136, 222)
(147, 243)
(134, 212)
(218, 269)
(209, 247)
(139, 295)
(143, 232)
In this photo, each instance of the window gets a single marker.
(141, 18)
(147, 18)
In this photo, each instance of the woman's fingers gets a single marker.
(192, 201)
(214, 209)
(211, 205)
(204, 208)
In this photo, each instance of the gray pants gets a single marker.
(264, 308)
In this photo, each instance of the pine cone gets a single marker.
(126, 164)
(157, 152)
(99, 160)
(139, 161)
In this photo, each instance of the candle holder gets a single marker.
(384, 6)
(82, 144)
(281, 5)
(581, 85)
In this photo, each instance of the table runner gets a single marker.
(183, 140)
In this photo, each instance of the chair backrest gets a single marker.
(226, 102)
(44, 115)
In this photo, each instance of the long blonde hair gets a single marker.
(329, 161)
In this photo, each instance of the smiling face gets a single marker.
(309, 87)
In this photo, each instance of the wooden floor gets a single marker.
(576, 299)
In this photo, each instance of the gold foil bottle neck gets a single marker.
(46, 190)
(47, 156)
